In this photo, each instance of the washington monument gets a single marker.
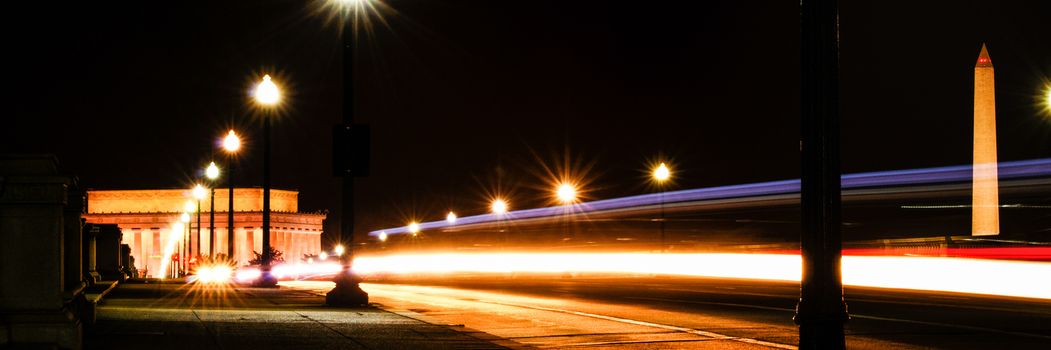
(985, 201)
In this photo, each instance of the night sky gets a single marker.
(467, 97)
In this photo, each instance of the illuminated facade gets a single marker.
(985, 201)
(145, 218)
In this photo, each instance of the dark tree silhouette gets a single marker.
(275, 257)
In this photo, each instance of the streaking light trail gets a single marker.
(978, 276)
(950, 174)
(169, 247)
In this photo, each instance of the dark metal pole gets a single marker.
(230, 211)
(347, 291)
(211, 223)
(267, 279)
(821, 311)
(663, 244)
(198, 244)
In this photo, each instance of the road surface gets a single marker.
(673, 312)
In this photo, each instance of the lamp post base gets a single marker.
(347, 291)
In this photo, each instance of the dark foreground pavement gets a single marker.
(181, 316)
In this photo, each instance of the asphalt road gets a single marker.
(674, 312)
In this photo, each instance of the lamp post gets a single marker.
(821, 311)
(266, 95)
(661, 174)
(347, 291)
(198, 193)
(185, 219)
(231, 144)
(212, 173)
(566, 194)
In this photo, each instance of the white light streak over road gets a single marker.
(979, 276)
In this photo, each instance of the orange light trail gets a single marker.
(978, 276)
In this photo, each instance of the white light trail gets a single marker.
(169, 247)
(979, 276)
(215, 274)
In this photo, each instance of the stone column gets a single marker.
(43, 308)
(73, 246)
(91, 274)
(107, 252)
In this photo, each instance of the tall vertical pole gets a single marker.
(211, 223)
(821, 311)
(347, 291)
(230, 212)
(266, 279)
(663, 244)
(197, 248)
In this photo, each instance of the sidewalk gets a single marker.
(179, 316)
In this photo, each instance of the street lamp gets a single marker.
(451, 218)
(231, 144)
(339, 250)
(212, 173)
(185, 220)
(414, 228)
(566, 193)
(1047, 98)
(199, 193)
(498, 207)
(661, 175)
(267, 96)
(347, 291)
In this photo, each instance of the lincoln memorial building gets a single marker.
(145, 218)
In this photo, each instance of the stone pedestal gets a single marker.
(42, 294)
(91, 274)
(347, 292)
(107, 252)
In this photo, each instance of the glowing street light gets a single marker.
(1047, 98)
(566, 193)
(451, 218)
(339, 249)
(323, 256)
(188, 207)
(661, 173)
(212, 172)
(199, 192)
(383, 236)
(414, 228)
(498, 207)
(232, 143)
(267, 93)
